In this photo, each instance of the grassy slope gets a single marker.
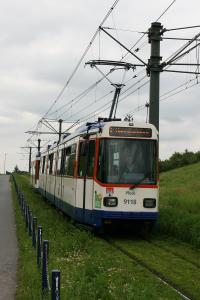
(180, 203)
(90, 268)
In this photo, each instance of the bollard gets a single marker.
(27, 214)
(24, 210)
(18, 192)
(30, 223)
(19, 195)
(22, 201)
(34, 224)
(45, 277)
(55, 290)
(39, 245)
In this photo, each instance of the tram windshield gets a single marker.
(126, 161)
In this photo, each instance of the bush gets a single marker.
(178, 160)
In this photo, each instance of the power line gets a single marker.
(107, 94)
(86, 92)
(82, 57)
(103, 108)
(178, 54)
(180, 28)
(166, 10)
(142, 107)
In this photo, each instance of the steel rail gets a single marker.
(157, 274)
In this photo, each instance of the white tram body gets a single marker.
(103, 172)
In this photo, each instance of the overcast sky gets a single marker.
(41, 43)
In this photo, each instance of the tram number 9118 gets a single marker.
(130, 201)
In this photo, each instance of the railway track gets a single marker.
(130, 251)
(195, 264)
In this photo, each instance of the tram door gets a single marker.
(85, 182)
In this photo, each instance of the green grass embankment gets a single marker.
(90, 268)
(180, 203)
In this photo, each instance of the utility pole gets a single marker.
(39, 141)
(30, 154)
(60, 129)
(153, 70)
(5, 163)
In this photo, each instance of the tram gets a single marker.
(104, 172)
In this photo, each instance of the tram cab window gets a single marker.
(86, 159)
(127, 161)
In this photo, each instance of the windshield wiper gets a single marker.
(132, 187)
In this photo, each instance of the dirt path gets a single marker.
(8, 242)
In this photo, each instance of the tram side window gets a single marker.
(51, 163)
(70, 158)
(82, 159)
(86, 159)
(43, 164)
(59, 163)
(62, 162)
(90, 172)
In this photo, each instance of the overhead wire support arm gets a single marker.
(180, 53)
(48, 125)
(179, 39)
(180, 28)
(185, 72)
(104, 75)
(184, 53)
(123, 46)
(40, 132)
(183, 64)
(123, 64)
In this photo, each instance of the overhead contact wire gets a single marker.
(82, 57)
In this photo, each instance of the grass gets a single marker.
(180, 203)
(166, 261)
(90, 268)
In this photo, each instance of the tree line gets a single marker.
(178, 160)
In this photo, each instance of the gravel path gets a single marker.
(8, 242)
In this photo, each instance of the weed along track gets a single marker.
(172, 269)
(190, 256)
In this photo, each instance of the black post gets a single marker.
(24, 210)
(34, 224)
(22, 204)
(55, 287)
(60, 129)
(39, 245)
(30, 154)
(45, 277)
(27, 215)
(30, 223)
(39, 141)
(154, 68)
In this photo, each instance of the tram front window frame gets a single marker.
(127, 161)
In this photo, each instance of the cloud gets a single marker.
(41, 43)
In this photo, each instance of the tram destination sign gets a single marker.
(130, 132)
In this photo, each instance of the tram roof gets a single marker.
(90, 128)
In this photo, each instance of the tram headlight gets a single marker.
(149, 203)
(110, 201)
